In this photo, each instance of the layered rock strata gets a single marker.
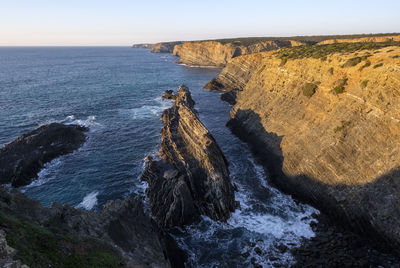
(164, 47)
(22, 159)
(336, 145)
(192, 176)
(215, 53)
(121, 235)
(376, 39)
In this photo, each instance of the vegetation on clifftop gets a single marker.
(37, 246)
(321, 51)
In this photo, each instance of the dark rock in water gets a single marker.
(168, 94)
(192, 178)
(122, 232)
(214, 84)
(22, 159)
(229, 97)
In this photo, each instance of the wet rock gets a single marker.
(198, 177)
(258, 251)
(22, 159)
(168, 94)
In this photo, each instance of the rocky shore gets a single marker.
(121, 235)
(22, 159)
(334, 146)
(192, 176)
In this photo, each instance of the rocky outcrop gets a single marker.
(122, 235)
(235, 75)
(216, 53)
(142, 45)
(22, 159)
(164, 47)
(336, 145)
(192, 176)
(375, 39)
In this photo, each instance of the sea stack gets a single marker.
(192, 176)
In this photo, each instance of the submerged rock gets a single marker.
(121, 235)
(22, 159)
(192, 177)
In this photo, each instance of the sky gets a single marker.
(125, 22)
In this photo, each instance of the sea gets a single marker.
(116, 92)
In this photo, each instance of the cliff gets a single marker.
(121, 235)
(217, 53)
(164, 47)
(142, 45)
(389, 38)
(325, 124)
(192, 176)
(22, 159)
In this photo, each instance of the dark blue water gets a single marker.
(116, 93)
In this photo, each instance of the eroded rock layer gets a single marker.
(192, 177)
(328, 131)
(377, 39)
(22, 159)
(215, 53)
(164, 47)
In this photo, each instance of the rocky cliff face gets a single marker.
(165, 47)
(377, 39)
(215, 53)
(192, 177)
(328, 131)
(22, 159)
(122, 235)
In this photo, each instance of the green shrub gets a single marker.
(364, 84)
(340, 86)
(378, 65)
(367, 64)
(309, 89)
(283, 61)
(331, 70)
(342, 126)
(352, 62)
(320, 51)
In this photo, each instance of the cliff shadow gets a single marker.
(372, 210)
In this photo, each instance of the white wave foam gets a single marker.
(89, 201)
(44, 175)
(90, 122)
(149, 111)
(199, 66)
(279, 220)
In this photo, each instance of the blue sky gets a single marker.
(124, 22)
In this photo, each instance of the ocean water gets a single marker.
(116, 92)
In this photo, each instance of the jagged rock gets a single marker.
(22, 159)
(122, 229)
(192, 178)
(168, 94)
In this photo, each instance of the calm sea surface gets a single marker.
(116, 92)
